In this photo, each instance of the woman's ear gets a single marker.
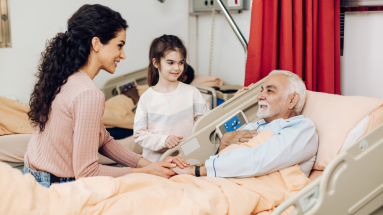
(96, 44)
(155, 64)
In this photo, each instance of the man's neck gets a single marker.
(285, 116)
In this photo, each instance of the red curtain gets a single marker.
(302, 36)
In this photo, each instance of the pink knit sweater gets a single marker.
(74, 134)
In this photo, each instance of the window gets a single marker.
(5, 25)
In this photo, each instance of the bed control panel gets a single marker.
(234, 123)
(119, 87)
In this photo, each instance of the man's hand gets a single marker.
(236, 137)
(172, 141)
(190, 170)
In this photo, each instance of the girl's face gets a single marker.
(171, 66)
(110, 54)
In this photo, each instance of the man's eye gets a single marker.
(170, 63)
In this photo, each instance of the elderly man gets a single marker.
(295, 140)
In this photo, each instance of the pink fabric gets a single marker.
(74, 134)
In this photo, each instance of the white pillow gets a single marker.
(354, 134)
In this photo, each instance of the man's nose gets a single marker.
(260, 96)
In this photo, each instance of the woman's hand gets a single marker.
(181, 163)
(172, 141)
(161, 168)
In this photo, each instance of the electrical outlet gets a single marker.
(208, 5)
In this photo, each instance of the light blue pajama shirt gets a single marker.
(295, 141)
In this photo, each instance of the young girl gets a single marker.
(167, 110)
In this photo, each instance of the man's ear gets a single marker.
(293, 100)
(96, 44)
(155, 63)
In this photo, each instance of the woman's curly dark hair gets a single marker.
(67, 52)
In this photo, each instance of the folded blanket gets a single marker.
(148, 194)
(208, 81)
(14, 118)
(14, 115)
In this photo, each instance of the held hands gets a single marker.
(162, 168)
(172, 141)
(179, 161)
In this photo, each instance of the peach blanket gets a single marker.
(148, 194)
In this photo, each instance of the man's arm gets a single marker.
(292, 145)
(236, 137)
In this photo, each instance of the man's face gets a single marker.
(273, 99)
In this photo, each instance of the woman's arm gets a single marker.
(87, 110)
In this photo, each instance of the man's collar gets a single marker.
(262, 121)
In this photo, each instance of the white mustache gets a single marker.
(263, 103)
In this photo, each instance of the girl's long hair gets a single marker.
(67, 52)
(159, 47)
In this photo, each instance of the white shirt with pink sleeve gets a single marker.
(159, 115)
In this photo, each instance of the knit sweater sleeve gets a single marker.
(87, 109)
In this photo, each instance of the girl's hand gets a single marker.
(172, 141)
(182, 163)
(241, 90)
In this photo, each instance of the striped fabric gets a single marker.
(74, 134)
(159, 115)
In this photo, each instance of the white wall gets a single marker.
(361, 64)
(33, 22)
(228, 56)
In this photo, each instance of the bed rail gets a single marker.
(211, 90)
(352, 183)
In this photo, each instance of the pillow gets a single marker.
(207, 81)
(334, 117)
(354, 134)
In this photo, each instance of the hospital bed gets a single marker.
(139, 77)
(352, 183)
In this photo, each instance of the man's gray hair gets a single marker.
(296, 86)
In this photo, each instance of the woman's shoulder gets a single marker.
(79, 83)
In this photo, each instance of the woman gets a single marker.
(67, 107)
